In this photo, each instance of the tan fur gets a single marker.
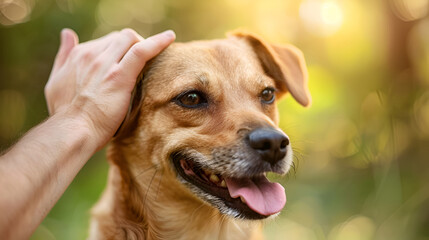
(143, 198)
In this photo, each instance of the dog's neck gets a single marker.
(147, 207)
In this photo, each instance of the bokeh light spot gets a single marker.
(14, 11)
(126, 14)
(322, 18)
(410, 10)
(331, 14)
(114, 13)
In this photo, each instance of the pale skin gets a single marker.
(88, 94)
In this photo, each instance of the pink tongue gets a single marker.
(261, 195)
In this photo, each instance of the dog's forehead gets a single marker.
(228, 52)
(227, 60)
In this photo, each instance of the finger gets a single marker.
(121, 44)
(135, 59)
(69, 40)
(100, 44)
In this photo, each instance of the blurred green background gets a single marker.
(361, 150)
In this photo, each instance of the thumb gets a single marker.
(69, 40)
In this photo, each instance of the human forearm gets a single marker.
(88, 94)
(37, 170)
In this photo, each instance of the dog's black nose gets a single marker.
(269, 143)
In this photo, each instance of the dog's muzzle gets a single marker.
(233, 178)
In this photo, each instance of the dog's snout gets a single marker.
(269, 143)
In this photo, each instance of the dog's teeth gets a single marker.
(207, 172)
(242, 199)
(223, 184)
(214, 178)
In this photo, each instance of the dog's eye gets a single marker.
(268, 96)
(191, 99)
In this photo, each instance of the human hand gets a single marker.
(93, 81)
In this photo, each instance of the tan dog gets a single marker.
(191, 158)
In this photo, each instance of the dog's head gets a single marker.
(205, 112)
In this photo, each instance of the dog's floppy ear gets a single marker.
(130, 121)
(284, 63)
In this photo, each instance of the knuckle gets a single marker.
(129, 33)
(87, 55)
(81, 54)
(114, 73)
(97, 64)
(140, 51)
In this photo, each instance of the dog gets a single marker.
(190, 160)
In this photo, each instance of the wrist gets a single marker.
(78, 129)
(94, 119)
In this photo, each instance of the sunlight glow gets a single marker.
(322, 18)
(331, 14)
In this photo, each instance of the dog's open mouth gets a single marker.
(253, 197)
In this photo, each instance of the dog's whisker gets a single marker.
(159, 184)
(297, 151)
(148, 188)
(297, 158)
(144, 171)
(222, 221)
(239, 228)
(295, 162)
(293, 171)
(196, 209)
(213, 217)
